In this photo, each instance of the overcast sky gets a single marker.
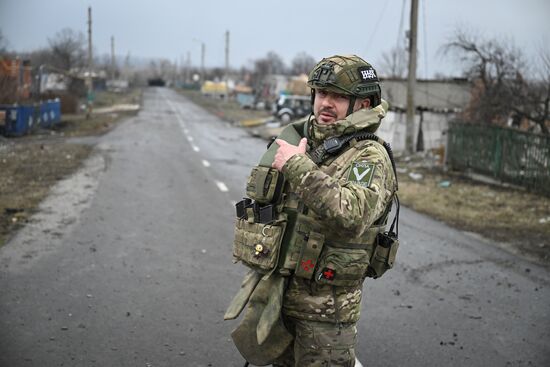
(171, 28)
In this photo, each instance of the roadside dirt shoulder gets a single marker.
(32, 164)
(517, 220)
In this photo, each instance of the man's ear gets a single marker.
(365, 103)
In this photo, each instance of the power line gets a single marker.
(400, 29)
(376, 26)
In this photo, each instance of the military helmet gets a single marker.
(348, 75)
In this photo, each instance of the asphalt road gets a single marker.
(128, 263)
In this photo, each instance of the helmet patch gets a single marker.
(367, 73)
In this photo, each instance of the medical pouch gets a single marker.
(344, 267)
(309, 255)
(263, 184)
(383, 256)
(258, 245)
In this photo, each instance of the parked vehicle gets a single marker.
(292, 107)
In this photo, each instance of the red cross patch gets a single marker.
(328, 273)
(307, 265)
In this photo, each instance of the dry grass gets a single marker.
(518, 218)
(78, 125)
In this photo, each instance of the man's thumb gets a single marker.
(303, 144)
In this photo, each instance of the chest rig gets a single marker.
(275, 232)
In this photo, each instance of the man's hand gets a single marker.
(286, 151)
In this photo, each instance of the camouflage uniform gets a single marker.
(346, 197)
(346, 209)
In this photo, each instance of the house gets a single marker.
(15, 80)
(437, 102)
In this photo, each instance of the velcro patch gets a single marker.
(307, 265)
(328, 274)
(361, 173)
(368, 73)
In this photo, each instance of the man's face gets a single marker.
(330, 107)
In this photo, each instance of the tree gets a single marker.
(302, 64)
(504, 85)
(271, 64)
(394, 63)
(535, 94)
(68, 50)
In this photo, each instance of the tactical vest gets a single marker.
(276, 233)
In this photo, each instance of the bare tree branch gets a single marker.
(502, 85)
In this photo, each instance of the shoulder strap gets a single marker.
(334, 145)
(291, 133)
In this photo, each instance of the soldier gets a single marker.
(314, 224)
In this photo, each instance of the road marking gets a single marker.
(185, 131)
(190, 139)
(196, 148)
(222, 186)
(205, 163)
(233, 202)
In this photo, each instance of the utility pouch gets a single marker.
(264, 184)
(305, 242)
(385, 248)
(258, 245)
(309, 255)
(383, 256)
(343, 267)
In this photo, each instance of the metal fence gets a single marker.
(508, 155)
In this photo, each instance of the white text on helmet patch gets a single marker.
(368, 74)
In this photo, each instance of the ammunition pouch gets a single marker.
(264, 185)
(258, 245)
(255, 212)
(383, 255)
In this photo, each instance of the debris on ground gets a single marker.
(416, 176)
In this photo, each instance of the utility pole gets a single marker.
(188, 68)
(89, 81)
(113, 61)
(226, 57)
(411, 83)
(203, 51)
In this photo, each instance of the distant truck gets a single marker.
(292, 107)
(246, 100)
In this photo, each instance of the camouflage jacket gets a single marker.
(347, 195)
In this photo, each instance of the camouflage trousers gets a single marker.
(319, 344)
